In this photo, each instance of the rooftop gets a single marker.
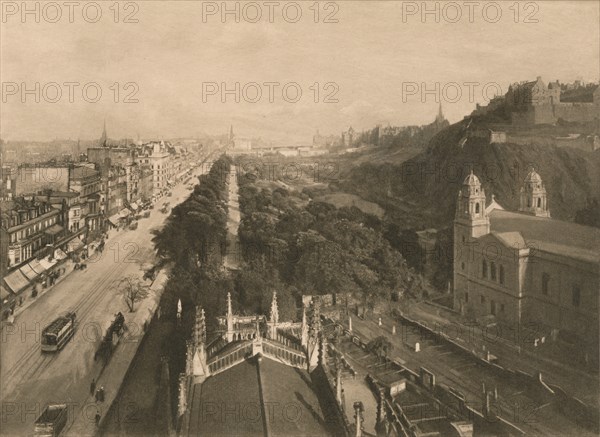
(250, 399)
(549, 235)
(41, 194)
(83, 172)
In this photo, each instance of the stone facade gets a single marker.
(23, 230)
(524, 267)
(87, 181)
(531, 103)
(157, 156)
(535, 103)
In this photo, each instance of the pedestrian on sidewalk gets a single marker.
(92, 386)
(102, 394)
(97, 418)
(97, 395)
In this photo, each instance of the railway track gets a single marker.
(528, 416)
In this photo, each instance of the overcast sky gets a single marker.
(371, 54)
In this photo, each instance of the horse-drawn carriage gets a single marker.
(111, 338)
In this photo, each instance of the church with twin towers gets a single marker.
(525, 269)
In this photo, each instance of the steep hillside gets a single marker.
(421, 192)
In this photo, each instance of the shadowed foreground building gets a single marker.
(258, 377)
(523, 267)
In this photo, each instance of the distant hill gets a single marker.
(421, 191)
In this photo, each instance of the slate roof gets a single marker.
(549, 235)
(256, 398)
(83, 172)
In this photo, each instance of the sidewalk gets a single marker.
(28, 300)
(112, 376)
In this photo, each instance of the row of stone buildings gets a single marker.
(50, 210)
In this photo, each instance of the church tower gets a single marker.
(533, 196)
(471, 220)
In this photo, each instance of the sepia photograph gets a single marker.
(351, 218)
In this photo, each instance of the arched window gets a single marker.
(528, 202)
(484, 269)
(539, 202)
(502, 275)
(545, 282)
(493, 271)
(477, 208)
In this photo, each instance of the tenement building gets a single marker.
(523, 267)
(25, 226)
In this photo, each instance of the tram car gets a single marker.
(56, 335)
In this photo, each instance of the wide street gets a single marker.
(30, 379)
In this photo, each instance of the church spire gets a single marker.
(304, 335)
(231, 136)
(104, 137)
(274, 319)
(200, 328)
(229, 319)
(196, 363)
(314, 343)
(274, 309)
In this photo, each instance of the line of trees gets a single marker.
(194, 241)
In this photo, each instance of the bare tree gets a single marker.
(133, 291)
